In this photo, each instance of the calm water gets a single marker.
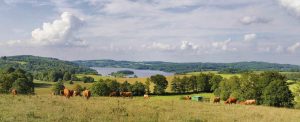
(139, 73)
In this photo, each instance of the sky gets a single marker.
(153, 30)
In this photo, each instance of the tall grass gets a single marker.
(57, 108)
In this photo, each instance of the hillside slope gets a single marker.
(189, 67)
(41, 64)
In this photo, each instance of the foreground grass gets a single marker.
(57, 108)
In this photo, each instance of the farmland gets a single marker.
(45, 107)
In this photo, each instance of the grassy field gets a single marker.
(45, 107)
(158, 108)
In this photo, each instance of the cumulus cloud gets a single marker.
(248, 20)
(294, 47)
(60, 32)
(223, 45)
(185, 45)
(292, 5)
(159, 46)
(249, 37)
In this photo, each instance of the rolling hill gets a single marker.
(189, 67)
(41, 64)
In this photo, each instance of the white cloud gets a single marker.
(279, 49)
(294, 47)
(293, 5)
(159, 46)
(250, 37)
(223, 45)
(185, 45)
(248, 20)
(61, 32)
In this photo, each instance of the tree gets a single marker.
(148, 86)
(67, 76)
(277, 94)
(125, 87)
(215, 81)
(100, 88)
(175, 85)
(23, 86)
(160, 82)
(138, 88)
(113, 85)
(193, 83)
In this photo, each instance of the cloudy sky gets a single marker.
(148, 30)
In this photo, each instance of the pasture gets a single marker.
(161, 108)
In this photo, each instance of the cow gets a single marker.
(113, 94)
(146, 96)
(217, 100)
(77, 93)
(71, 93)
(187, 97)
(67, 93)
(62, 92)
(231, 100)
(14, 92)
(86, 94)
(250, 102)
(126, 94)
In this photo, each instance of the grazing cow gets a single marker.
(126, 94)
(113, 94)
(86, 94)
(187, 97)
(67, 93)
(77, 93)
(250, 102)
(217, 100)
(146, 96)
(231, 100)
(62, 92)
(71, 93)
(14, 92)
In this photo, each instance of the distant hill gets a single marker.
(190, 67)
(42, 64)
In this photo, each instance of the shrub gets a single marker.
(100, 88)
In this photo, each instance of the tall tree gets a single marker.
(160, 82)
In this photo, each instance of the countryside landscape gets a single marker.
(149, 61)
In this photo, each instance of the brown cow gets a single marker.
(77, 93)
(67, 93)
(71, 93)
(187, 97)
(146, 96)
(231, 100)
(113, 94)
(217, 100)
(14, 92)
(126, 94)
(250, 102)
(86, 94)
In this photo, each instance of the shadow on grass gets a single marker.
(42, 85)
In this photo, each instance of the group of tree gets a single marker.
(267, 88)
(17, 79)
(105, 87)
(196, 83)
(56, 75)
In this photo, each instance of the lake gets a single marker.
(140, 73)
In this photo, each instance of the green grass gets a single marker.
(48, 108)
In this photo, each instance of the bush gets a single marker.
(71, 82)
(57, 87)
(87, 79)
(100, 88)
(138, 88)
(23, 86)
(78, 88)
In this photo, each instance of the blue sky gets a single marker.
(148, 30)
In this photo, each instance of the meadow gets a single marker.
(45, 107)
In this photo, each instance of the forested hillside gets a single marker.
(191, 67)
(43, 68)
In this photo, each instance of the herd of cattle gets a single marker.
(230, 100)
(87, 94)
